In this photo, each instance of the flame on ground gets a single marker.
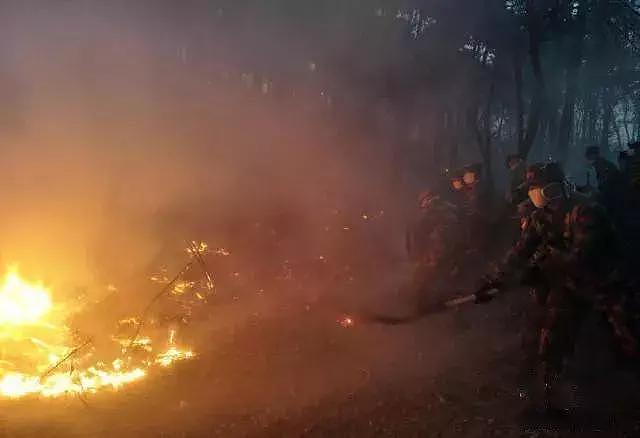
(33, 339)
(16, 385)
(22, 303)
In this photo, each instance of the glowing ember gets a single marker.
(181, 287)
(223, 252)
(198, 248)
(346, 322)
(34, 341)
(172, 355)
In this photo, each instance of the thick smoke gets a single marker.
(128, 127)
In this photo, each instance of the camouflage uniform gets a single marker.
(517, 173)
(625, 161)
(621, 201)
(608, 175)
(634, 171)
(433, 242)
(611, 185)
(568, 253)
(525, 207)
(476, 209)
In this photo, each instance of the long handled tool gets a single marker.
(427, 311)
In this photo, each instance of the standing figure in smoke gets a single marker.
(433, 241)
(517, 168)
(616, 194)
(625, 161)
(634, 165)
(567, 250)
(476, 207)
(611, 185)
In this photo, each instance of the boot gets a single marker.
(554, 400)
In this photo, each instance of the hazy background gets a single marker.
(128, 126)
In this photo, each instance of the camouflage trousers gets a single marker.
(553, 326)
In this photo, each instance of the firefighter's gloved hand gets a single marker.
(484, 293)
(494, 281)
(483, 296)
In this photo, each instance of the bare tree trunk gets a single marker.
(552, 126)
(566, 119)
(590, 125)
(636, 121)
(480, 123)
(501, 124)
(534, 25)
(626, 121)
(488, 156)
(571, 79)
(517, 73)
(547, 135)
(533, 124)
(606, 121)
(452, 130)
(618, 136)
(584, 128)
(439, 140)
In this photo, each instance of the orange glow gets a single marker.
(346, 322)
(35, 340)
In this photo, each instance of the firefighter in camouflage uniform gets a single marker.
(567, 251)
(433, 242)
(476, 207)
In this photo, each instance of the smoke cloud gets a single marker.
(129, 126)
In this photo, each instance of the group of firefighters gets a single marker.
(573, 249)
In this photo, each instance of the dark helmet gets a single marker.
(475, 168)
(624, 155)
(543, 174)
(472, 173)
(513, 157)
(545, 183)
(531, 172)
(592, 152)
(455, 173)
(456, 179)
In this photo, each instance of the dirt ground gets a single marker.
(296, 372)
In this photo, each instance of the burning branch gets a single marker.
(166, 289)
(66, 358)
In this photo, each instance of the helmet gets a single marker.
(592, 152)
(471, 173)
(543, 174)
(512, 158)
(456, 179)
(545, 183)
